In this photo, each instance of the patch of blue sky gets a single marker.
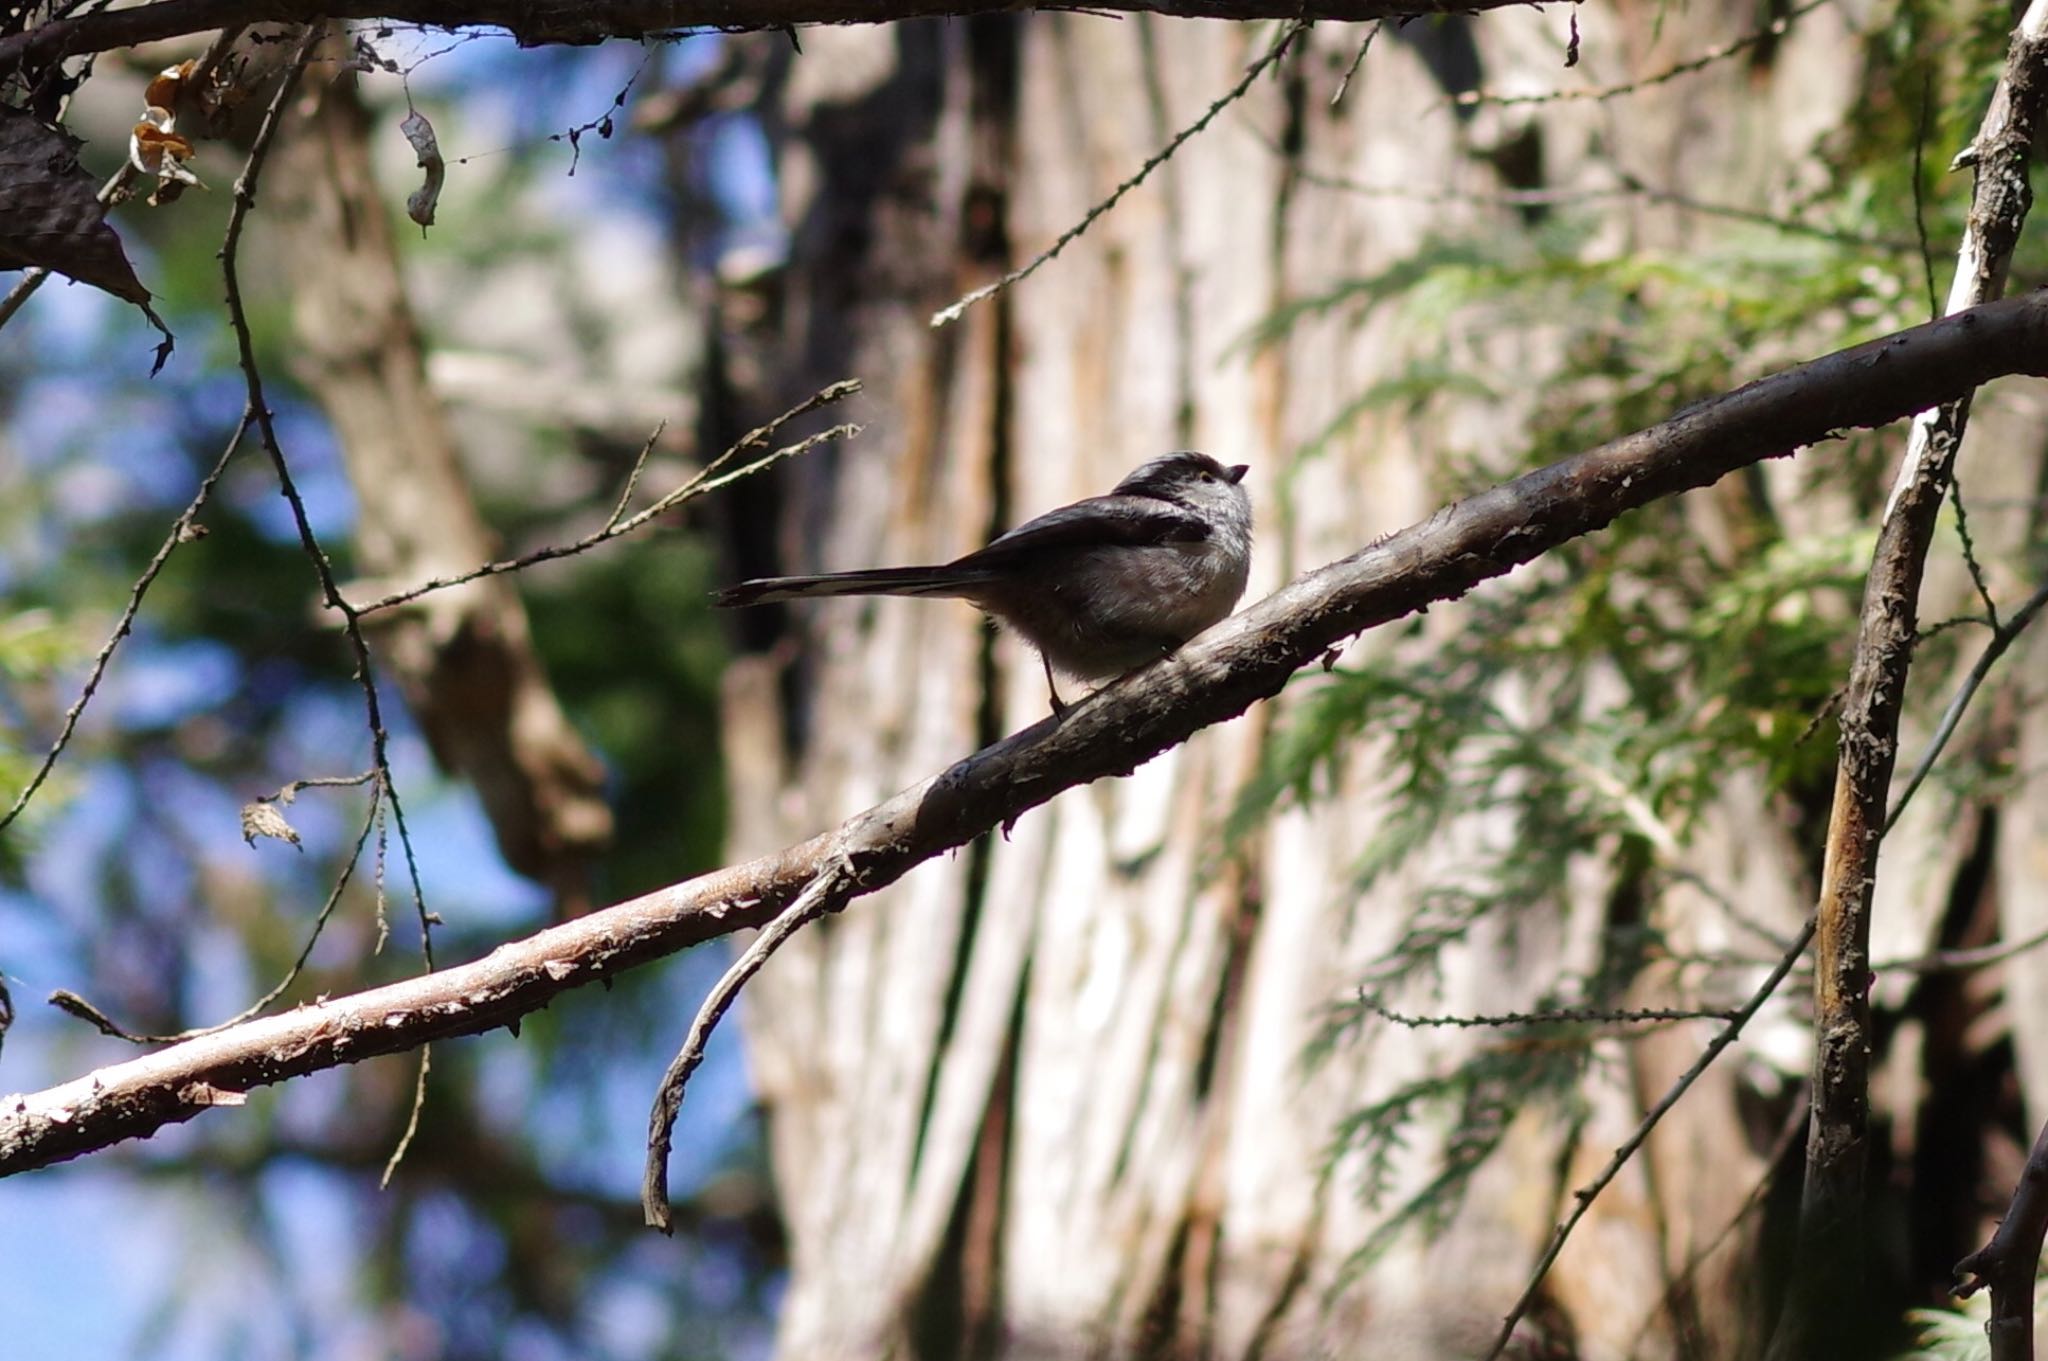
(317, 1214)
(158, 682)
(742, 170)
(464, 877)
(74, 1212)
(39, 957)
(68, 323)
(67, 870)
(316, 468)
(218, 978)
(628, 1317)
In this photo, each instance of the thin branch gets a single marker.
(1962, 961)
(1627, 185)
(1356, 62)
(293, 789)
(181, 532)
(1976, 568)
(1678, 1284)
(412, 1119)
(1559, 1016)
(1776, 28)
(707, 480)
(2010, 1261)
(1219, 675)
(2002, 639)
(323, 569)
(1584, 1197)
(954, 311)
(828, 892)
(1920, 194)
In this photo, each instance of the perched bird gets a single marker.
(1099, 587)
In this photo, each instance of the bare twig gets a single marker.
(1920, 194)
(1356, 62)
(181, 532)
(2002, 638)
(2009, 1262)
(1247, 658)
(1559, 1016)
(707, 480)
(1627, 185)
(412, 1119)
(1678, 1284)
(1584, 1197)
(1776, 28)
(292, 790)
(1969, 545)
(1964, 960)
(323, 569)
(828, 892)
(955, 310)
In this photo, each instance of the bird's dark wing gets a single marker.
(1098, 522)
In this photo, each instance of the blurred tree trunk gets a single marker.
(1048, 1097)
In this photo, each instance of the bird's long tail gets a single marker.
(933, 581)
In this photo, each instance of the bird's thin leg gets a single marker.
(1059, 706)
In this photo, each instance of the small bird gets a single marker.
(1099, 587)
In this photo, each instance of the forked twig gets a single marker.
(323, 569)
(951, 313)
(708, 479)
(1584, 1197)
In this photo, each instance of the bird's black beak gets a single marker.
(1236, 471)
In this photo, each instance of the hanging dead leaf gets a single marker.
(262, 818)
(169, 83)
(156, 148)
(423, 200)
(50, 213)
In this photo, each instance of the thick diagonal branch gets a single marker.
(538, 22)
(1245, 659)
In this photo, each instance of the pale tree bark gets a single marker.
(1048, 1097)
(464, 656)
